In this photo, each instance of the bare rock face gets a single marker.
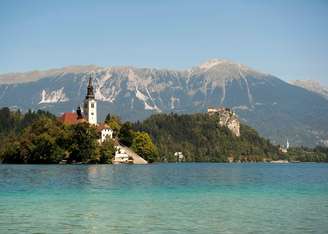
(227, 118)
(276, 109)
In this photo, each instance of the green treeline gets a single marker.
(201, 139)
(304, 154)
(139, 141)
(38, 137)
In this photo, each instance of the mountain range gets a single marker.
(277, 109)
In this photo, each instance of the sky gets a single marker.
(288, 39)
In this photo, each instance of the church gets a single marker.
(88, 115)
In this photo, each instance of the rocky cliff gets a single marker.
(278, 110)
(227, 118)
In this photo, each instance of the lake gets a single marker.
(164, 198)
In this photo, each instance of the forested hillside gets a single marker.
(38, 137)
(200, 138)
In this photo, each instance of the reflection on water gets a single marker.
(161, 198)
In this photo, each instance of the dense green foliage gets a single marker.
(126, 134)
(143, 145)
(114, 122)
(304, 154)
(38, 137)
(201, 139)
(106, 152)
(139, 141)
(15, 121)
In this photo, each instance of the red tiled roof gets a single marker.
(69, 118)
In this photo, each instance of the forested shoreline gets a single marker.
(38, 137)
(202, 140)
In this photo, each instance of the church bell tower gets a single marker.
(90, 105)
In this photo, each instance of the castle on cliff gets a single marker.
(227, 118)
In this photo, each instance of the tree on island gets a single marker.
(143, 145)
(38, 137)
(106, 151)
(83, 143)
(126, 134)
(115, 123)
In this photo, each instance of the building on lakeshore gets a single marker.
(179, 156)
(120, 155)
(105, 132)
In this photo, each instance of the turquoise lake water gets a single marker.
(164, 198)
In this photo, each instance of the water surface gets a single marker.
(164, 198)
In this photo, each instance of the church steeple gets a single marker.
(90, 105)
(90, 93)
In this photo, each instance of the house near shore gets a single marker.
(105, 132)
(89, 115)
(121, 156)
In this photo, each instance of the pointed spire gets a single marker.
(90, 93)
(90, 81)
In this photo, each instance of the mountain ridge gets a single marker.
(35, 75)
(277, 109)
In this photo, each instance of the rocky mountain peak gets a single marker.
(212, 63)
(223, 64)
(277, 109)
